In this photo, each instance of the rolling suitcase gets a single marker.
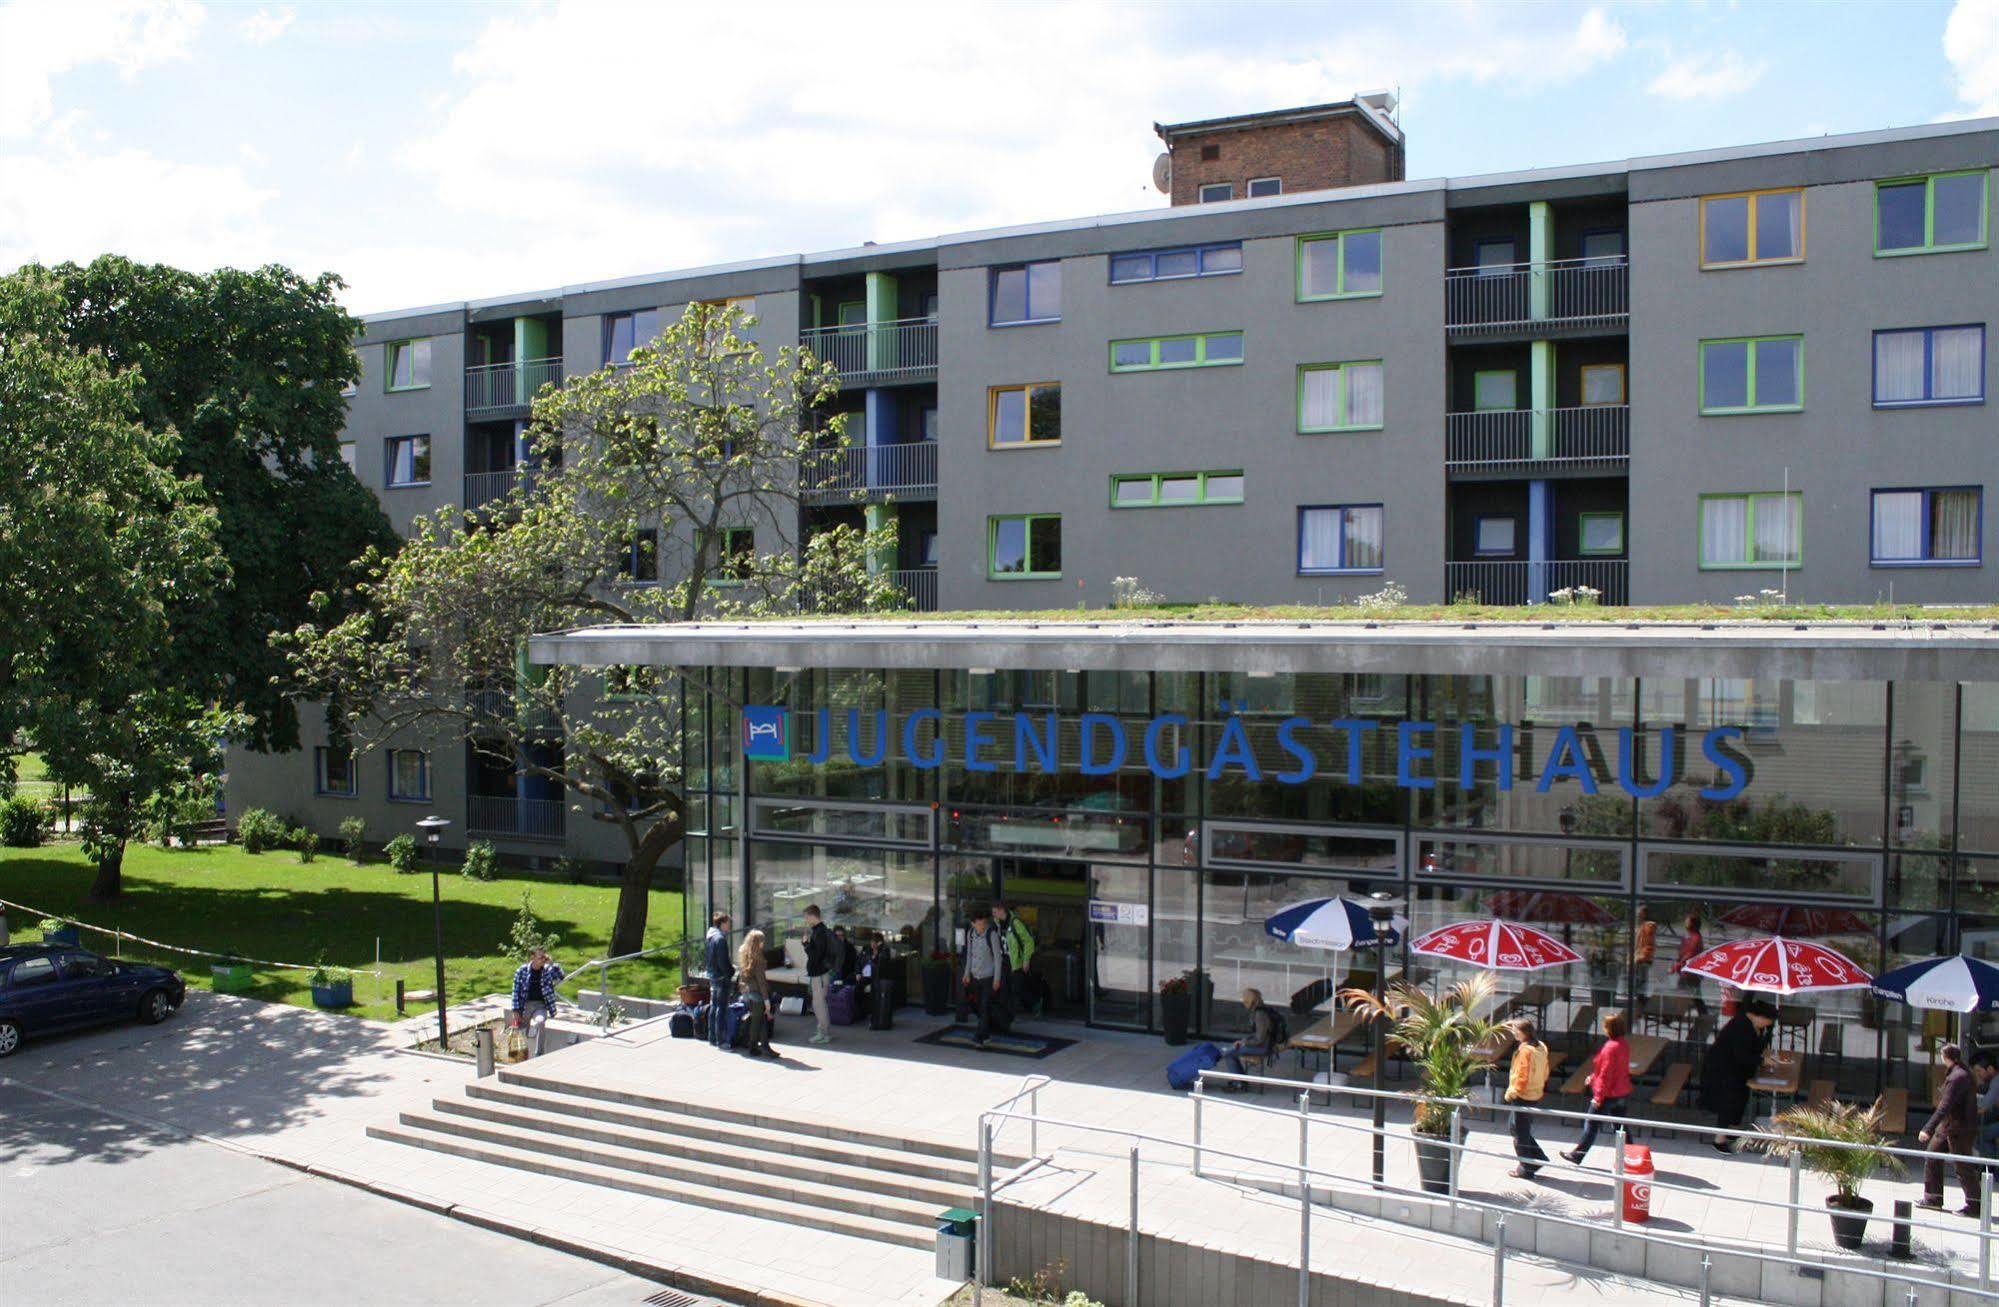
(881, 1005)
(840, 1005)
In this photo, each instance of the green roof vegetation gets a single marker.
(1538, 614)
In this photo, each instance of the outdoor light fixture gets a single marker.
(432, 827)
(1381, 915)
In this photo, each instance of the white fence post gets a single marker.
(1304, 1200)
(1791, 1217)
(1131, 1243)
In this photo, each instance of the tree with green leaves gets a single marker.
(648, 472)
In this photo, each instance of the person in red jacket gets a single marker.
(1609, 1084)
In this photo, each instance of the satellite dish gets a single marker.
(1162, 173)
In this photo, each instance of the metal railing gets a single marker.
(920, 584)
(483, 488)
(604, 966)
(882, 349)
(1335, 1182)
(534, 819)
(1526, 296)
(509, 385)
(1594, 434)
(1506, 583)
(907, 471)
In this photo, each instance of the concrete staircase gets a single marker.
(806, 1173)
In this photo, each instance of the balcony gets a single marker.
(1592, 439)
(877, 352)
(1563, 297)
(848, 475)
(1507, 583)
(527, 819)
(482, 488)
(920, 584)
(499, 389)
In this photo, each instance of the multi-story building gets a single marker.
(1504, 386)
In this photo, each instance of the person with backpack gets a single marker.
(721, 974)
(819, 973)
(1018, 942)
(1525, 1084)
(983, 974)
(1262, 1041)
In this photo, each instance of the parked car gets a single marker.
(44, 989)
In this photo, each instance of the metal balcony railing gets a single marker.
(1488, 581)
(920, 584)
(493, 386)
(483, 488)
(1596, 434)
(905, 471)
(905, 349)
(532, 819)
(1538, 296)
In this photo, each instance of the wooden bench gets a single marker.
(1672, 1084)
(1820, 1095)
(1895, 1113)
(1579, 1082)
(1361, 1070)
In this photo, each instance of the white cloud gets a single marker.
(1702, 77)
(66, 204)
(1971, 43)
(267, 25)
(40, 40)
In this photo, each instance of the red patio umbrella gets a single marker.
(1496, 945)
(1775, 965)
(1556, 906)
(1797, 920)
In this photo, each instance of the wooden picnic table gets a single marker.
(1780, 1075)
(1670, 1009)
(1645, 1053)
(1326, 1035)
(1538, 996)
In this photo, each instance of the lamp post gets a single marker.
(432, 827)
(1380, 915)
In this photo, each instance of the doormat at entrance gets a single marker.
(1019, 1045)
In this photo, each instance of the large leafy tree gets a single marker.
(246, 367)
(656, 460)
(101, 545)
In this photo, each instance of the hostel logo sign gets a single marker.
(766, 733)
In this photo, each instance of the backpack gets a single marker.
(1280, 1029)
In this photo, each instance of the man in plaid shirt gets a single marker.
(534, 996)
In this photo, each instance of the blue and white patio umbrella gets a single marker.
(1954, 984)
(1327, 924)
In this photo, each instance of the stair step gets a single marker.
(764, 1141)
(842, 1174)
(743, 1203)
(732, 1177)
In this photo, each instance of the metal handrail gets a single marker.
(1539, 265)
(1030, 1089)
(604, 965)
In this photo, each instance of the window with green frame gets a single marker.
(1024, 546)
(409, 365)
(1760, 529)
(736, 559)
(1339, 265)
(1753, 374)
(1933, 214)
(1598, 534)
(1175, 489)
(1157, 353)
(1340, 396)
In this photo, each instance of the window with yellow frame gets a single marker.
(1024, 416)
(1748, 228)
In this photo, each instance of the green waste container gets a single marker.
(956, 1237)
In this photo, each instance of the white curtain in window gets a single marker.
(1319, 539)
(1954, 524)
(1363, 532)
(1898, 366)
(1320, 400)
(1724, 531)
(1363, 394)
(1776, 529)
(1955, 354)
(1898, 524)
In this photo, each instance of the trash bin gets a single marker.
(1637, 1183)
(956, 1233)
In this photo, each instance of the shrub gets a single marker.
(24, 822)
(402, 853)
(354, 839)
(526, 934)
(481, 862)
(259, 829)
(306, 842)
(1130, 592)
(571, 870)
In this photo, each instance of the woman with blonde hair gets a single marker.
(754, 984)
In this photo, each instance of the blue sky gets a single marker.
(432, 152)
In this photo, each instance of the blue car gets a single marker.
(44, 989)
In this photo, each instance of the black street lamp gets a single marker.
(432, 827)
(1380, 915)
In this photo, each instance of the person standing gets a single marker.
(983, 974)
(534, 996)
(721, 974)
(1985, 1074)
(1609, 1084)
(1731, 1063)
(1952, 1130)
(1018, 942)
(1644, 946)
(1261, 1040)
(1525, 1084)
(1692, 945)
(819, 973)
(754, 980)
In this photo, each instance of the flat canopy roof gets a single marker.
(1821, 651)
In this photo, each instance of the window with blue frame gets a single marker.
(1028, 292)
(1929, 365)
(409, 776)
(333, 771)
(407, 461)
(625, 332)
(1171, 265)
(1927, 527)
(638, 560)
(1335, 538)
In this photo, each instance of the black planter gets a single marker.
(937, 990)
(1433, 1165)
(1174, 1010)
(1849, 1220)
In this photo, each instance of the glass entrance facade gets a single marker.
(1146, 824)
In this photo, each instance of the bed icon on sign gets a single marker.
(766, 733)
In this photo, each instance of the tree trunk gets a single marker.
(110, 880)
(635, 885)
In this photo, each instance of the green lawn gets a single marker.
(32, 776)
(271, 906)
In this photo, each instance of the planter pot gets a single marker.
(1849, 1220)
(333, 994)
(694, 995)
(232, 979)
(1174, 1013)
(63, 936)
(1433, 1165)
(936, 990)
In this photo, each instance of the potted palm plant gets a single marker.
(1816, 1135)
(1440, 1035)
